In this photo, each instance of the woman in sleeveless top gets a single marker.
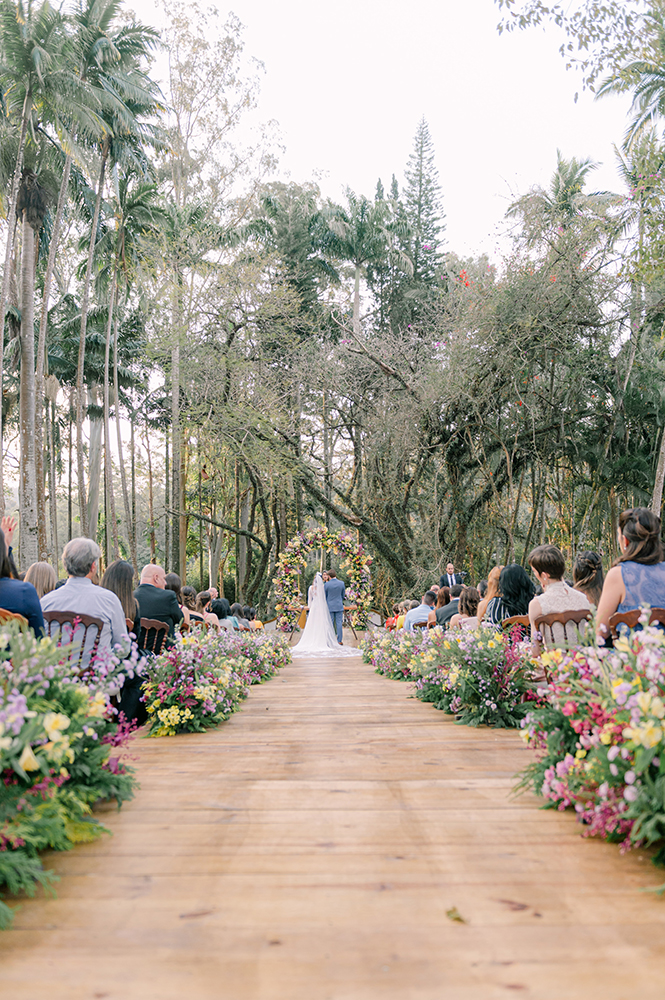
(548, 567)
(637, 578)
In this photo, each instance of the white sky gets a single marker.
(349, 80)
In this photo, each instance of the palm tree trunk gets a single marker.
(108, 459)
(94, 465)
(131, 527)
(6, 274)
(85, 301)
(53, 500)
(41, 354)
(28, 505)
(151, 506)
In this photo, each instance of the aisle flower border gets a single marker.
(294, 558)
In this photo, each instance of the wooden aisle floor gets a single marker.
(311, 848)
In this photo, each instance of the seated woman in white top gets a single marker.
(467, 616)
(548, 567)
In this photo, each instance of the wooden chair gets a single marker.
(564, 618)
(130, 624)
(424, 624)
(153, 635)
(632, 619)
(347, 621)
(75, 621)
(183, 627)
(516, 621)
(12, 616)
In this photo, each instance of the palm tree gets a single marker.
(31, 40)
(565, 200)
(129, 127)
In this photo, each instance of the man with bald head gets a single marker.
(154, 600)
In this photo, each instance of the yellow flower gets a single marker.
(580, 754)
(491, 644)
(53, 723)
(644, 700)
(623, 646)
(446, 645)
(27, 760)
(97, 706)
(651, 735)
(657, 708)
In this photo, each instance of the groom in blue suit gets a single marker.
(335, 594)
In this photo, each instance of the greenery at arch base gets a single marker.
(293, 559)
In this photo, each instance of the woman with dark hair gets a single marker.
(236, 612)
(588, 576)
(637, 578)
(467, 616)
(516, 590)
(16, 595)
(222, 611)
(119, 579)
(442, 599)
(189, 602)
(203, 602)
(173, 582)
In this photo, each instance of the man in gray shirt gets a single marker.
(81, 596)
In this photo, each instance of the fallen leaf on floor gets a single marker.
(454, 914)
(198, 913)
(512, 905)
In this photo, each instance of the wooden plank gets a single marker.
(311, 849)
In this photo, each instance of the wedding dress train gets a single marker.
(318, 637)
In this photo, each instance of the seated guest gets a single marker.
(189, 602)
(250, 615)
(82, 596)
(482, 589)
(221, 610)
(516, 590)
(637, 578)
(442, 598)
(203, 600)
(450, 578)
(467, 616)
(491, 592)
(18, 596)
(174, 583)
(236, 611)
(588, 576)
(119, 579)
(391, 622)
(548, 567)
(403, 608)
(435, 588)
(42, 576)
(155, 601)
(444, 614)
(421, 611)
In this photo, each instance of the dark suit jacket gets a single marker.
(444, 614)
(160, 604)
(457, 578)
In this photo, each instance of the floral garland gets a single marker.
(294, 558)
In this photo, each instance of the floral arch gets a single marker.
(294, 557)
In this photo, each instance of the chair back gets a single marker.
(421, 624)
(631, 619)
(516, 621)
(153, 635)
(183, 627)
(12, 616)
(568, 620)
(79, 627)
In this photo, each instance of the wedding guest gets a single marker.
(492, 591)
(203, 600)
(482, 589)
(392, 621)
(444, 614)
(42, 576)
(548, 567)
(637, 578)
(404, 607)
(236, 612)
(467, 616)
(442, 598)
(250, 615)
(588, 576)
(189, 602)
(119, 579)
(221, 610)
(515, 592)
(18, 596)
(174, 583)
(155, 601)
(82, 596)
(421, 611)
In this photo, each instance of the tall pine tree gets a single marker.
(424, 212)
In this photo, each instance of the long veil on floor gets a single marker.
(318, 637)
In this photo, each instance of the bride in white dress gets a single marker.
(318, 637)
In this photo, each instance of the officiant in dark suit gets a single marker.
(155, 601)
(450, 578)
(335, 594)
